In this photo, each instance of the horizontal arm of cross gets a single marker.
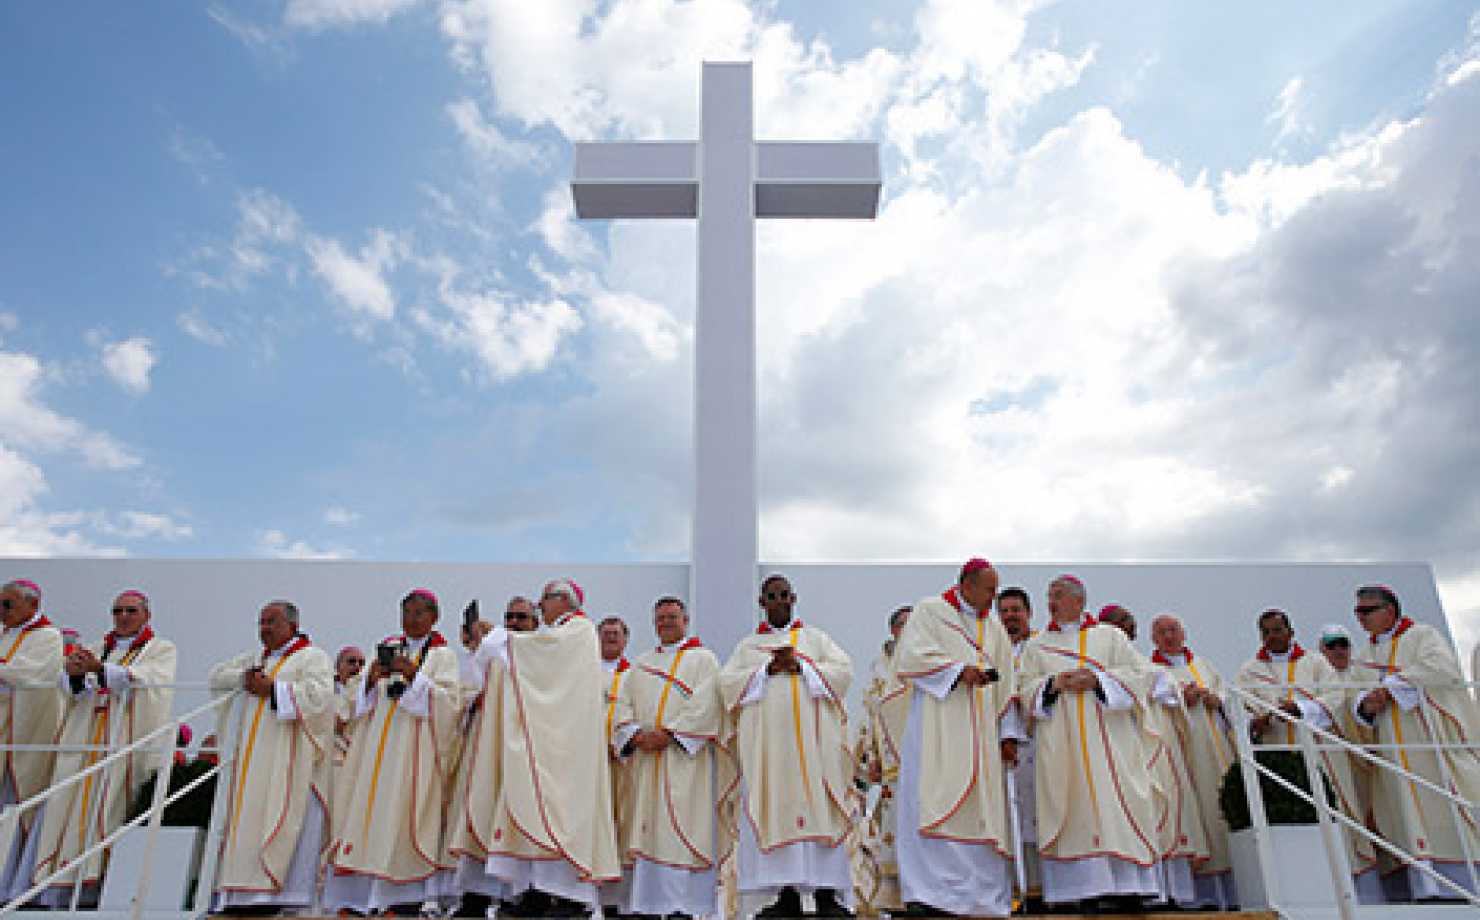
(660, 179)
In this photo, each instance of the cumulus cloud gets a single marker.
(275, 544)
(129, 362)
(31, 425)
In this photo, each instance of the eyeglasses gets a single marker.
(779, 595)
(1362, 610)
(118, 610)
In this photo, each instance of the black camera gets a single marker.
(385, 653)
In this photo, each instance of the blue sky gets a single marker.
(1159, 280)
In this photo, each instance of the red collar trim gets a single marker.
(1403, 626)
(110, 641)
(434, 640)
(1159, 658)
(765, 629)
(298, 644)
(953, 597)
(690, 642)
(1086, 623)
(623, 664)
(1296, 653)
(38, 621)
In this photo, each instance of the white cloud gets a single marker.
(193, 324)
(32, 426)
(129, 362)
(319, 14)
(508, 337)
(484, 137)
(195, 151)
(9, 322)
(1288, 111)
(142, 525)
(275, 544)
(340, 517)
(359, 282)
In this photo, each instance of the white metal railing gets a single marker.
(1331, 820)
(165, 738)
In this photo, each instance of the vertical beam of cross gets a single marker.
(726, 181)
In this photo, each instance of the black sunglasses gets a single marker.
(779, 595)
(1362, 610)
(118, 610)
(1337, 643)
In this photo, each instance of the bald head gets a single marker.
(1167, 634)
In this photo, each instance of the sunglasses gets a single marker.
(1337, 643)
(118, 610)
(8, 604)
(354, 661)
(779, 595)
(1362, 610)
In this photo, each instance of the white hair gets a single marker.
(568, 588)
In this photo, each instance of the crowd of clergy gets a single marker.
(544, 773)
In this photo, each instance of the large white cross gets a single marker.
(726, 181)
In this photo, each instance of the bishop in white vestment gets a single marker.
(276, 818)
(782, 693)
(954, 841)
(30, 713)
(114, 697)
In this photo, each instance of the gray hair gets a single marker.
(290, 610)
(24, 588)
(567, 588)
(1075, 586)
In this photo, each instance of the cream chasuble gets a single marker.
(1306, 680)
(1418, 666)
(111, 714)
(1096, 797)
(30, 707)
(790, 737)
(669, 818)
(388, 804)
(1202, 737)
(542, 750)
(886, 706)
(954, 840)
(280, 743)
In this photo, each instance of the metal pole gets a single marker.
(1341, 876)
(1461, 828)
(227, 732)
(1258, 821)
(156, 815)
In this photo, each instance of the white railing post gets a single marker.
(1335, 841)
(1258, 821)
(227, 731)
(1441, 755)
(156, 817)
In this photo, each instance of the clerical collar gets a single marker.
(1172, 659)
(564, 618)
(766, 628)
(1295, 653)
(1085, 622)
(1398, 629)
(35, 620)
(616, 665)
(688, 642)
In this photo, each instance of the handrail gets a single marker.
(165, 736)
(1325, 814)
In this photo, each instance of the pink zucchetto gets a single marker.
(1071, 579)
(1111, 608)
(973, 565)
(425, 594)
(134, 592)
(29, 585)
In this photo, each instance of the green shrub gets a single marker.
(1281, 806)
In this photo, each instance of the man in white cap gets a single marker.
(1283, 674)
(960, 738)
(1097, 803)
(1418, 700)
(30, 712)
(783, 693)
